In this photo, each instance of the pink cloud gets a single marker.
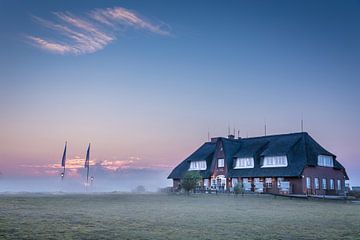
(52, 46)
(110, 16)
(78, 35)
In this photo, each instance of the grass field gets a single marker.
(161, 216)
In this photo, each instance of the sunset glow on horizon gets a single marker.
(145, 82)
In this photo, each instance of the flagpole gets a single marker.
(63, 162)
(87, 175)
(87, 165)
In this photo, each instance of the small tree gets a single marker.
(239, 189)
(190, 180)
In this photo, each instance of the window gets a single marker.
(279, 180)
(213, 183)
(324, 183)
(308, 182)
(244, 163)
(339, 184)
(221, 162)
(316, 183)
(332, 184)
(234, 182)
(197, 165)
(268, 182)
(275, 161)
(246, 184)
(325, 161)
(206, 182)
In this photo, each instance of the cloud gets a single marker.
(119, 15)
(77, 35)
(52, 46)
(113, 167)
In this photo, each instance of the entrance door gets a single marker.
(221, 182)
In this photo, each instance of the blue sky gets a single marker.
(177, 71)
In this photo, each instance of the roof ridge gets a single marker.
(267, 136)
(277, 135)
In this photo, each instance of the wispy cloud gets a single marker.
(52, 46)
(92, 32)
(119, 15)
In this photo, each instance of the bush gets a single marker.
(239, 189)
(355, 194)
(190, 180)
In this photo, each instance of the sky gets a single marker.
(145, 81)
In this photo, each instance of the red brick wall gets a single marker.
(219, 153)
(323, 172)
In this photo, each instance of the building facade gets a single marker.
(282, 164)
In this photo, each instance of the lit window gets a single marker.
(308, 182)
(339, 184)
(275, 161)
(332, 185)
(325, 161)
(316, 183)
(221, 162)
(244, 163)
(197, 165)
(324, 183)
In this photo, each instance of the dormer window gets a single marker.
(275, 161)
(220, 163)
(325, 161)
(244, 163)
(197, 165)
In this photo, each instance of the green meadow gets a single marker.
(162, 216)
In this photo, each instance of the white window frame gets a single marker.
(316, 183)
(275, 161)
(206, 182)
(246, 184)
(339, 184)
(332, 184)
(325, 161)
(324, 184)
(308, 182)
(198, 165)
(247, 162)
(234, 182)
(268, 182)
(221, 162)
(279, 180)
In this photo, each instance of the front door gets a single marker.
(221, 182)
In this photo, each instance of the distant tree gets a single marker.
(190, 180)
(239, 189)
(140, 189)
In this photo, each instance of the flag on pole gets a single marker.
(87, 160)
(63, 161)
(87, 163)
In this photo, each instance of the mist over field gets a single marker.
(124, 181)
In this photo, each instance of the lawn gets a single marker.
(161, 216)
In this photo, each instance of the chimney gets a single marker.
(230, 136)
